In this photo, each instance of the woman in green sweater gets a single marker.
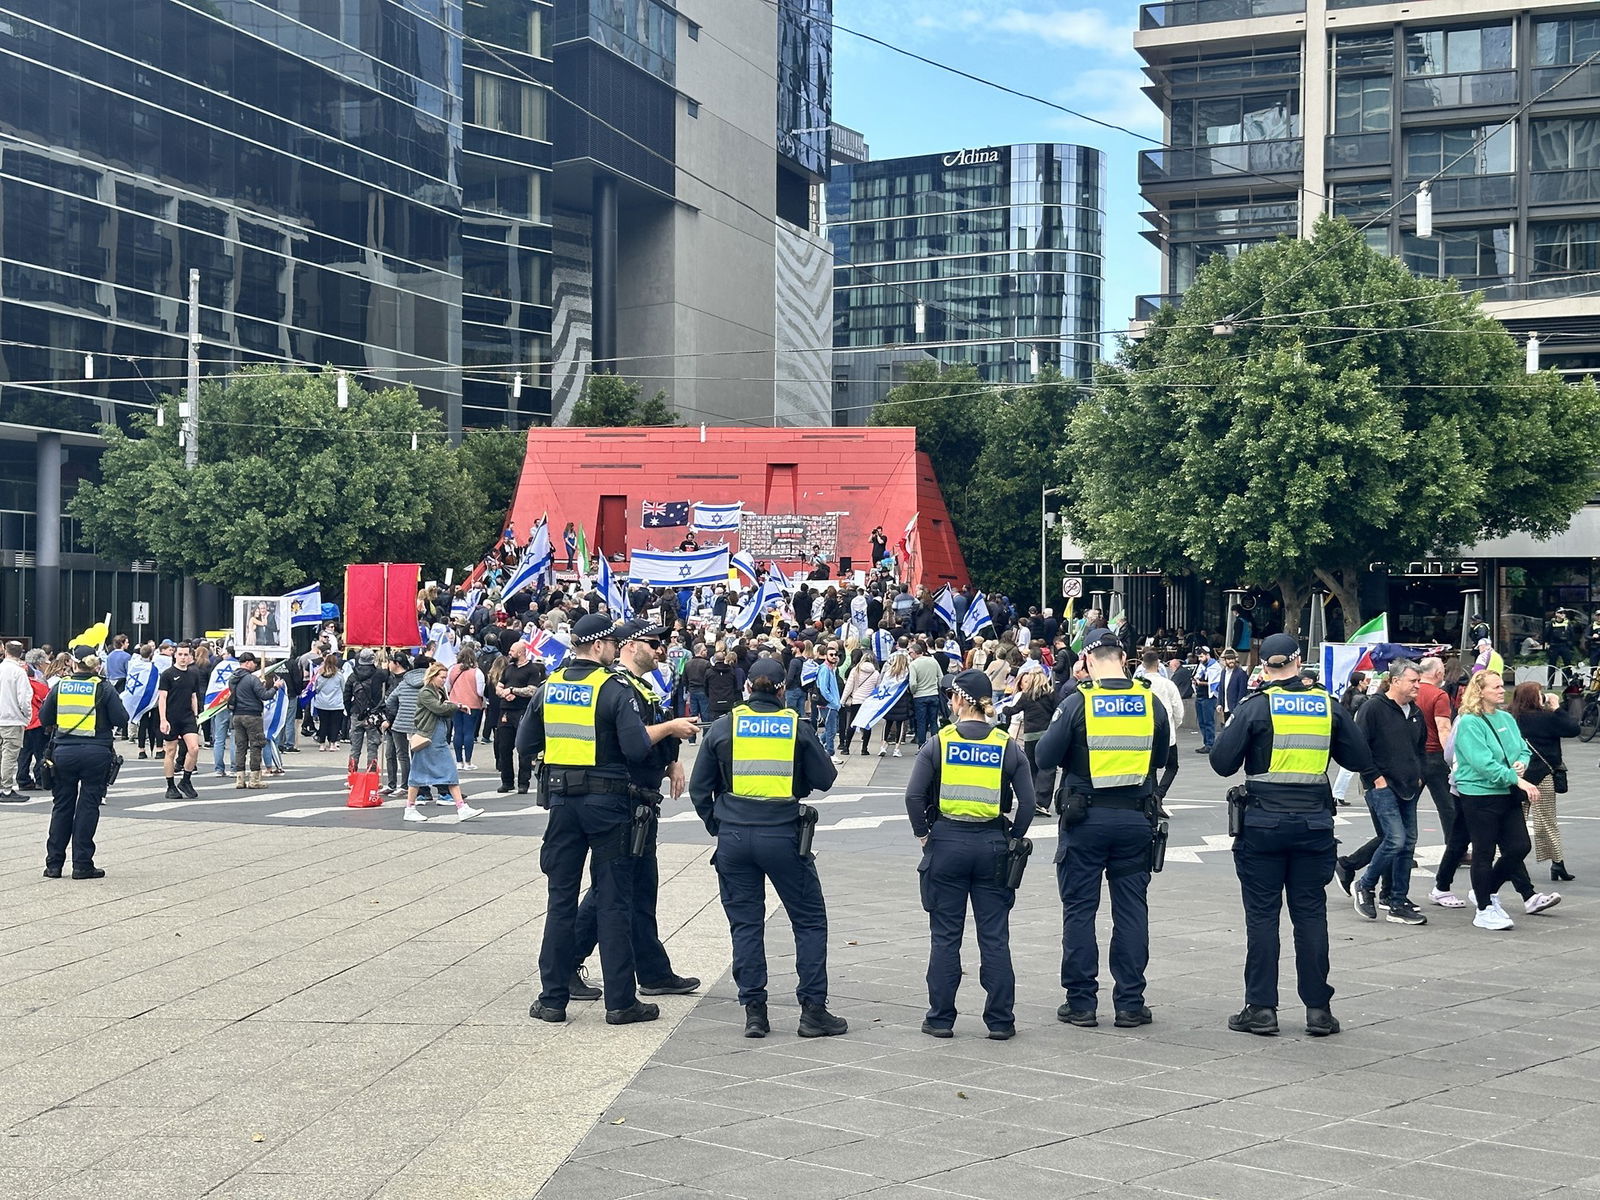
(1490, 759)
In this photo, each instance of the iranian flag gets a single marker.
(1373, 632)
(582, 554)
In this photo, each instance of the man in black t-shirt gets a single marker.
(178, 708)
(518, 682)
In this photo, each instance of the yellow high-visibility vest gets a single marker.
(570, 707)
(76, 710)
(970, 774)
(763, 753)
(1302, 736)
(1121, 727)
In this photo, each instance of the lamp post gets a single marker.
(1044, 531)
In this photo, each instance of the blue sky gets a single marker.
(1079, 55)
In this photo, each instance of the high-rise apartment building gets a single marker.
(1279, 110)
(997, 247)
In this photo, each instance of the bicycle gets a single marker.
(1589, 720)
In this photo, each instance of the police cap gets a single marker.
(1279, 648)
(1100, 639)
(769, 669)
(973, 686)
(595, 627)
(633, 630)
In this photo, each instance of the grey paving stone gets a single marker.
(1006, 1180)
(1384, 1137)
(890, 1158)
(1237, 1182)
(675, 1160)
(1433, 1181)
(1100, 1159)
(1543, 1165)
(672, 1116)
(790, 1179)
(1331, 1163)
(868, 1117)
(780, 1137)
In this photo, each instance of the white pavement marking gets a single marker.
(170, 805)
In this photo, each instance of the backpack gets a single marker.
(1183, 678)
(363, 696)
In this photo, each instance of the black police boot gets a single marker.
(1131, 1018)
(1082, 1017)
(52, 872)
(88, 873)
(579, 987)
(1321, 1023)
(637, 1011)
(672, 985)
(938, 1031)
(539, 1012)
(1254, 1019)
(755, 1020)
(172, 790)
(817, 1021)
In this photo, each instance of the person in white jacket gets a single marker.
(858, 685)
(16, 710)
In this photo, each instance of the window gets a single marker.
(1566, 144)
(1457, 51)
(507, 106)
(693, 106)
(1363, 51)
(1261, 118)
(1565, 42)
(1460, 253)
(1362, 201)
(1362, 104)
(1464, 150)
(1565, 246)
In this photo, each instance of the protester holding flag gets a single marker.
(569, 539)
(219, 676)
(251, 694)
(890, 703)
(858, 688)
(144, 675)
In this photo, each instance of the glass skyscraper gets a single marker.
(1000, 244)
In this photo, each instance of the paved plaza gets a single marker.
(272, 996)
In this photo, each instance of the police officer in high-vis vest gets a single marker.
(1283, 737)
(1109, 738)
(638, 654)
(754, 767)
(963, 783)
(585, 720)
(82, 711)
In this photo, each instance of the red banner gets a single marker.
(380, 604)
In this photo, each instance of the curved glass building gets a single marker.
(1001, 244)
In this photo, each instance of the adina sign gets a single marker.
(971, 158)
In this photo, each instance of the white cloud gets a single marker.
(1074, 27)
(1110, 94)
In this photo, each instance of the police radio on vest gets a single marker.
(1291, 705)
(1118, 706)
(777, 727)
(569, 694)
(966, 754)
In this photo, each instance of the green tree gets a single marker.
(1312, 407)
(946, 408)
(610, 400)
(492, 461)
(289, 486)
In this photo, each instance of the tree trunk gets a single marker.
(1346, 587)
(1293, 590)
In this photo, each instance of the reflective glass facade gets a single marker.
(304, 157)
(805, 82)
(1001, 244)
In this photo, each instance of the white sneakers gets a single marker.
(466, 812)
(413, 813)
(882, 750)
(838, 760)
(1494, 917)
(1540, 901)
(897, 752)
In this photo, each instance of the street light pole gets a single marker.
(1044, 528)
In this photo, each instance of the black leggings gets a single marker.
(330, 725)
(1495, 823)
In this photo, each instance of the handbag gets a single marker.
(1558, 775)
(419, 741)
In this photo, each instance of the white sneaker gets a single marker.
(413, 813)
(882, 750)
(897, 752)
(1446, 899)
(1540, 901)
(1492, 918)
(838, 760)
(466, 812)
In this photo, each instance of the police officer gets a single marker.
(83, 712)
(962, 781)
(756, 763)
(585, 721)
(638, 654)
(1109, 737)
(1283, 736)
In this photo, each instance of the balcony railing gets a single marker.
(1474, 191)
(1459, 91)
(1354, 3)
(1553, 289)
(1203, 12)
(1172, 165)
(1584, 84)
(1564, 187)
(1146, 307)
(1358, 150)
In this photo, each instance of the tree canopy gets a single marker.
(291, 488)
(1312, 407)
(611, 400)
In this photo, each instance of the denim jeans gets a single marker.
(795, 698)
(830, 730)
(1395, 818)
(221, 725)
(925, 709)
(462, 724)
(699, 704)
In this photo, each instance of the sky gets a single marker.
(1075, 54)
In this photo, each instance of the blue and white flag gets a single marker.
(221, 680)
(977, 617)
(884, 697)
(613, 592)
(546, 646)
(277, 713)
(660, 568)
(778, 577)
(661, 681)
(305, 605)
(765, 597)
(143, 687)
(882, 645)
(465, 602)
(944, 606)
(536, 561)
(809, 671)
(745, 564)
(715, 518)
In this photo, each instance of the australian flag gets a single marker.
(546, 646)
(665, 514)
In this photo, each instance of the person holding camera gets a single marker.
(82, 712)
(1543, 723)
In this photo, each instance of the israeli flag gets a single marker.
(777, 576)
(714, 518)
(613, 592)
(882, 645)
(661, 681)
(884, 697)
(766, 596)
(277, 713)
(143, 686)
(658, 568)
(809, 670)
(745, 564)
(221, 680)
(977, 617)
(944, 606)
(305, 605)
(464, 603)
(536, 561)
